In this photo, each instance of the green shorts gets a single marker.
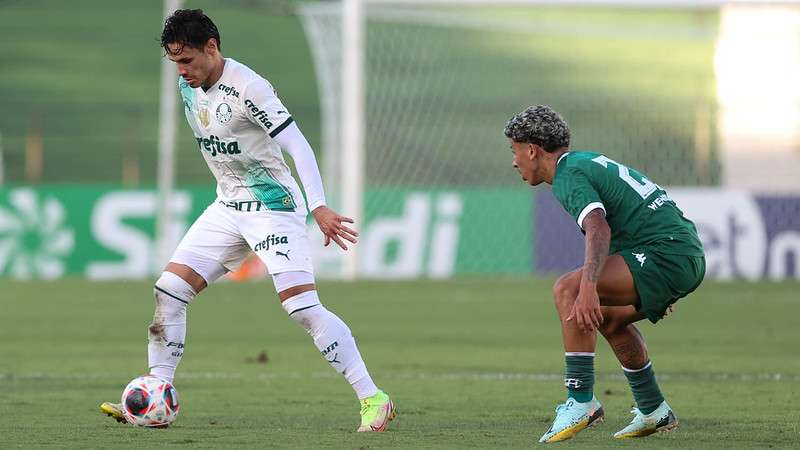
(661, 278)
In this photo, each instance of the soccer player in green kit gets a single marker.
(642, 255)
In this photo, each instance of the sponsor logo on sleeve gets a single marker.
(258, 113)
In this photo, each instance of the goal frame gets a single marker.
(353, 74)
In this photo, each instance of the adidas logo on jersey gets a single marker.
(270, 240)
(258, 114)
(213, 145)
(229, 90)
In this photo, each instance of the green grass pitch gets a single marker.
(469, 363)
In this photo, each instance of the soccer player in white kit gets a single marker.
(240, 127)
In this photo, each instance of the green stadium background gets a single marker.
(79, 123)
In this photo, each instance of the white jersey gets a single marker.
(234, 124)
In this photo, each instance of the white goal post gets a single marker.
(167, 137)
(352, 193)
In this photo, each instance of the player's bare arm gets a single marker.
(586, 310)
(333, 226)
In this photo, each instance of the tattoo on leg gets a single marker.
(630, 354)
(629, 347)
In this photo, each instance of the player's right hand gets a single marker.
(586, 310)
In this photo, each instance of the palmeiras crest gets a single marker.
(224, 113)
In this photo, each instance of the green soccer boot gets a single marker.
(376, 412)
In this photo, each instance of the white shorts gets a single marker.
(222, 237)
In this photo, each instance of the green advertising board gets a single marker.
(53, 231)
(439, 233)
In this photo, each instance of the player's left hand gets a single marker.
(586, 310)
(332, 226)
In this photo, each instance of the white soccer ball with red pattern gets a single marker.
(149, 401)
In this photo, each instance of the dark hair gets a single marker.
(189, 27)
(540, 125)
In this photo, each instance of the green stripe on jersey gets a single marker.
(268, 190)
(187, 93)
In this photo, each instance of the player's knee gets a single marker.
(613, 323)
(565, 290)
(290, 284)
(172, 294)
(296, 290)
(610, 326)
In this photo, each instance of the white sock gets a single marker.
(333, 339)
(167, 333)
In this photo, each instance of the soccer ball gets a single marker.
(149, 401)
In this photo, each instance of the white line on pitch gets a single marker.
(394, 375)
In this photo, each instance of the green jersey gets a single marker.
(638, 211)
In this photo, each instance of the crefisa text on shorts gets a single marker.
(270, 240)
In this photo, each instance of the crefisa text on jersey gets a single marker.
(270, 240)
(214, 145)
(258, 114)
(229, 90)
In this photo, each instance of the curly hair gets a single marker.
(188, 27)
(540, 125)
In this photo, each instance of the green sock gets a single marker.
(579, 376)
(645, 389)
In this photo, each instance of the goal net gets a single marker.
(440, 198)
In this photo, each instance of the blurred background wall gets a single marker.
(702, 100)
